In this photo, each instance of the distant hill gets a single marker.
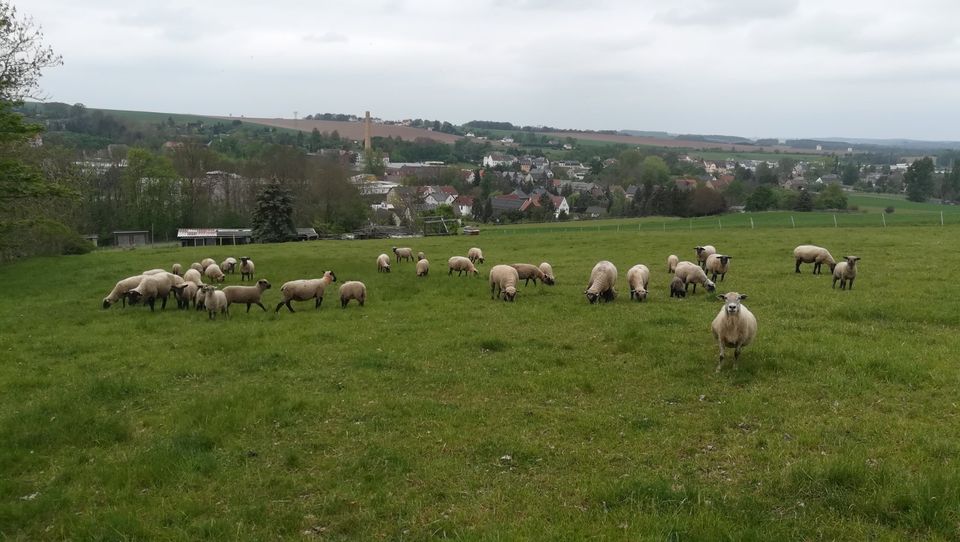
(912, 144)
(352, 130)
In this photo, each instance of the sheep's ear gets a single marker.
(721, 296)
(743, 296)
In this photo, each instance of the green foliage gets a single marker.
(804, 202)
(273, 217)
(832, 197)
(919, 179)
(706, 201)
(850, 174)
(761, 199)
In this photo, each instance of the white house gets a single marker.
(498, 159)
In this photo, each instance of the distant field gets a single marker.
(148, 117)
(770, 156)
(435, 412)
(352, 130)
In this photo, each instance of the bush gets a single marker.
(40, 237)
(889, 210)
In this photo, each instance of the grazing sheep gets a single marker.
(383, 263)
(120, 291)
(461, 264)
(177, 269)
(691, 273)
(548, 272)
(156, 271)
(530, 272)
(215, 301)
(207, 262)
(672, 261)
(603, 280)
(164, 284)
(718, 264)
(213, 272)
(405, 253)
(420, 256)
(247, 294)
(815, 255)
(197, 266)
(246, 268)
(147, 291)
(504, 278)
(677, 288)
(192, 275)
(304, 289)
(475, 255)
(704, 252)
(352, 289)
(845, 271)
(638, 277)
(423, 267)
(229, 265)
(734, 327)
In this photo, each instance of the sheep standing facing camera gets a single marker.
(718, 264)
(734, 327)
(845, 272)
(215, 301)
(246, 268)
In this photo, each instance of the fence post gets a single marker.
(835, 221)
(941, 218)
(751, 222)
(691, 223)
(719, 223)
(792, 222)
(884, 218)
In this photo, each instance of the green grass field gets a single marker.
(436, 412)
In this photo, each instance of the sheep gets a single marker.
(503, 279)
(530, 272)
(734, 327)
(246, 268)
(404, 253)
(383, 263)
(164, 284)
(185, 293)
(199, 299)
(120, 291)
(548, 272)
(229, 265)
(213, 272)
(638, 277)
(215, 301)
(461, 264)
(672, 261)
(247, 294)
(207, 262)
(148, 290)
(677, 288)
(192, 275)
(352, 289)
(703, 252)
(156, 271)
(304, 289)
(423, 267)
(718, 264)
(420, 256)
(475, 255)
(197, 266)
(845, 271)
(603, 280)
(691, 273)
(177, 269)
(815, 255)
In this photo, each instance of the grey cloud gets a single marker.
(707, 12)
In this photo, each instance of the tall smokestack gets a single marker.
(367, 144)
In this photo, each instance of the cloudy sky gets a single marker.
(756, 68)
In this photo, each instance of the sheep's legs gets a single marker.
(319, 301)
(720, 363)
(736, 356)
(851, 285)
(798, 266)
(282, 303)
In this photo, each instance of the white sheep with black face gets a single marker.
(704, 252)
(718, 264)
(845, 272)
(734, 327)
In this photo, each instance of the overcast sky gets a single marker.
(756, 68)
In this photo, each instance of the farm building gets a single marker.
(191, 237)
(131, 238)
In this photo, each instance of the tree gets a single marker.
(919, 179)
(273, 217)
(832, 197)
(804, 202)
(706, 201)
(22, 55)
(850, 174)
(654, 170)
(762, 198)
(765, 174)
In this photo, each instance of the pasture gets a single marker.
(435, 412)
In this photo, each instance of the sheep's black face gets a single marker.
(264, 284)
(134, 297)
(509, 294)
(106, 303)
(548, 281)
(333, 276)
(832, 267)
(710, 286)
(592, 297)
(724, 260)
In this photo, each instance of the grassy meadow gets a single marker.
(435, 412)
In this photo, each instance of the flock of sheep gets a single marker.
(734, 326)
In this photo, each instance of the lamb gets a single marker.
(504, 278)
(247, 294)
(405, 253)
(475, 255)
(677, 288)
(420, 256)
(530, 272)
(213, 272)
(148, 290)
(177, 269)
(815, 255)
(120, 291)
(718, 264)
(200, 298)
(548, 272)
(215, 301)
(352, 289)
(185, 293)
(734, 327)
(192, 275)
(207, 262)
(703, 252)
(304, 289)
(423, 267)
(229, 265)
(638, 277)
(845, 271)
(197, 266)
(672, 261)
(603, 280)
(461, 264)
(246, 268)
(691, 273)
(383, 263)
